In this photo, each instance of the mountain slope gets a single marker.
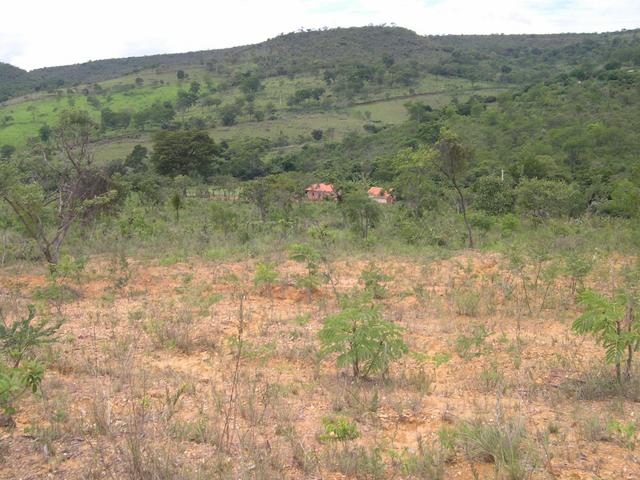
(509, 58)
(13, 80)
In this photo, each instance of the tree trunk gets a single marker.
(618, 362)
(463, 207)
(629, 322)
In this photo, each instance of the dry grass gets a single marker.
(184, 372)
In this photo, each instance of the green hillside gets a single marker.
(343, 102)
(338, 80)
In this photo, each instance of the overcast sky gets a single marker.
(45, 33)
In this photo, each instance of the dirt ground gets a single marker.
(146, 381)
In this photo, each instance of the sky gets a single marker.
(47, 33)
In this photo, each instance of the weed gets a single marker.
(265, 277)
(372, 277)
(355, 461)
(624, 432)
(338, 429)
(492, 379)
(173, 331)
(473, 344)
(467, 302)
(56, 292)
(427, 463)
(502, 443)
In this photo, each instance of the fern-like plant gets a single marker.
(362, 338)
(614, 322)
(310, 257)
(19, 372)
(265, 277)
(373, 279)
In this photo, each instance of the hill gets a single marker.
(486, 57)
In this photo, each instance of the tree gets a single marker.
(7, 151)
(181, 75)
(362, 338)
(419, 112)
(186, 152)
(361, 211)
(615, 324)
(135, 160)
(545, 198)
(413, 182)
(44, 133)
(177, 204)
(228, 114)
(111, 119)
(186, 100)
(158, 113)
(51, 190)
(625, 200)
(259, 192)
(451, 161)
(493, 196)
(250, 83)
(387, 60)
(194, 88)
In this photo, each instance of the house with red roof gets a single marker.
(320, 191)
(381, 195)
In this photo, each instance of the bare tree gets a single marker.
(57, 185)
(451, 161)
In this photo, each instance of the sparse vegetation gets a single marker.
(200, 314)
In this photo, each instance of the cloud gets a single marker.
(36, 34)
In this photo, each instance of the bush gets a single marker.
(472, 345)
(372, 277)
(338, 429)
(547, 198)
(362, 338)
(493, 196)
(20, 373)
(614, 324)
(265, 276)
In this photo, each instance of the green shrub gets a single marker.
(338, 429)
(310, 257)
(546, 198)
(577, 267)
(362, 338)
(473, 344)
(265, 276)
(372, 277)
(55, 292)
(624, 433)
(19, 372)
(614, 323)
